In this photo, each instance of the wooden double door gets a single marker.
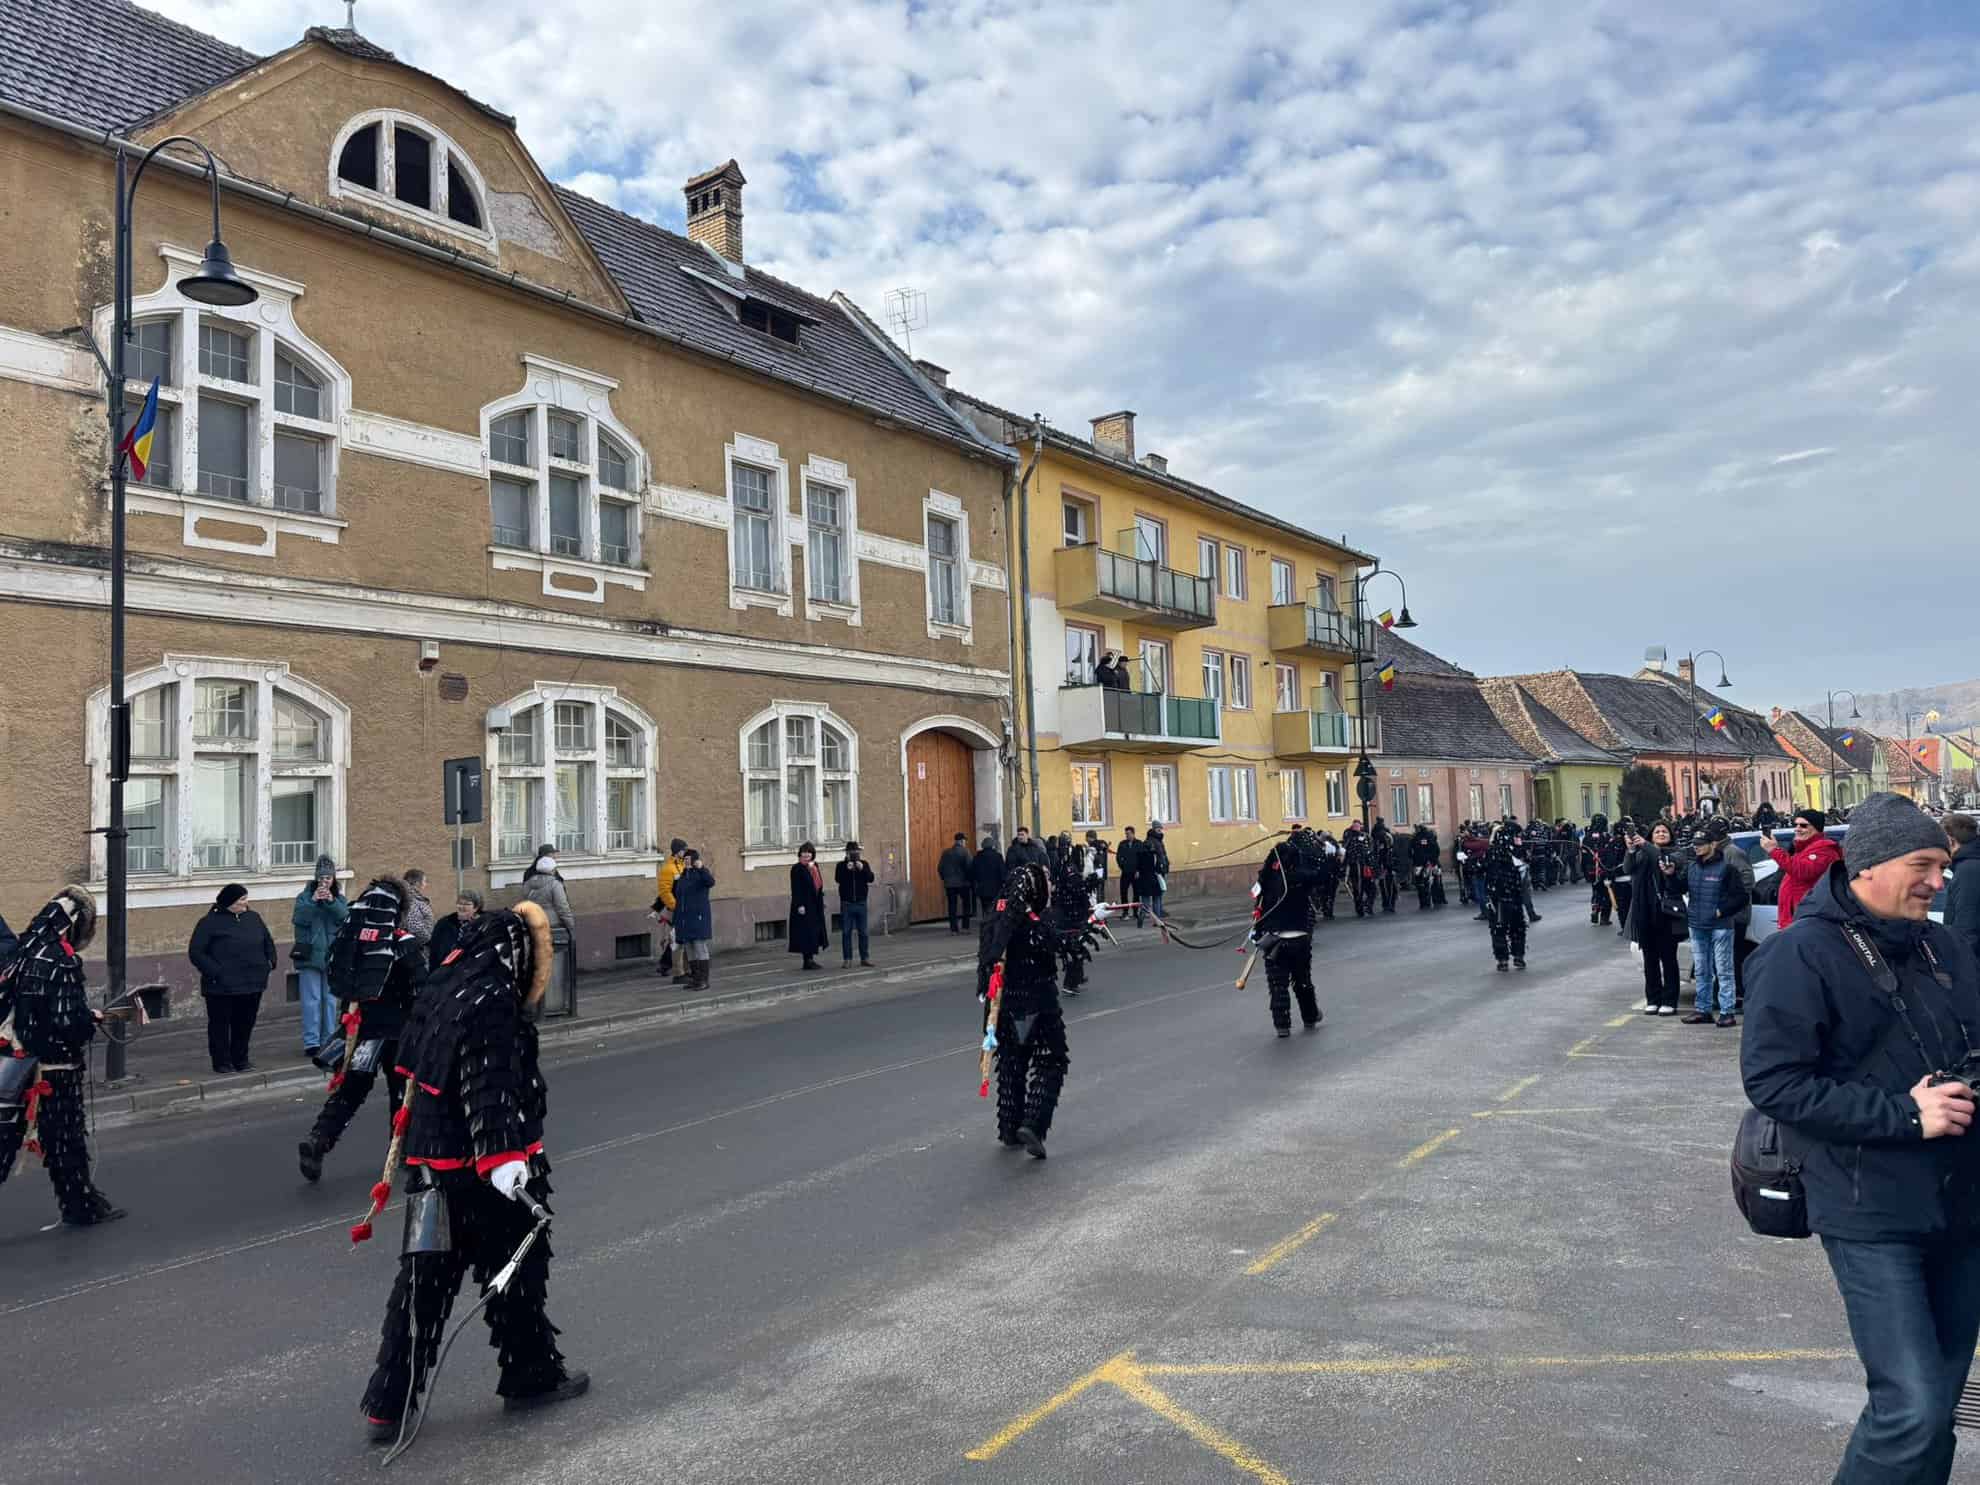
(941, 800)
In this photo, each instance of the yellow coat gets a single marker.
(669, 873)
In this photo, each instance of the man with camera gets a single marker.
(1860, 1042)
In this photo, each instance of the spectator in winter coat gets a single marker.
(986, 874)
(543, 885)
(1962, 892)
(953, 868)
(419, 917)
(319, 912)
(1127, 856)
(1656, 920)
(1714, 895)
(447, 930)
(1097, 854)
(808, 926)
(1024, 850)
(1813, 854)
(1151, 873)
(1742, 945)
(235, 956)
(694, 916)
(854, 876)
(663, 903)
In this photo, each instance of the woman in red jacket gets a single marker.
(1814, 853)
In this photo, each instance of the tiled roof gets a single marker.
(1856, 759)
(1442, 717)
(1014, 429)
(838, 353)
(1563, 743)
(1411, 659)
(106, 63)
(1652, 718)
(1748, 730)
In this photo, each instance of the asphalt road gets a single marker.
(1475, 1228)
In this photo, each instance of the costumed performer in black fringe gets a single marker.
(1505, 899)
(1360, 869)
(1016, 966)
(46, 1026)
(1072, 906)
(1282, 926)
(376, 969)
(472, 1136)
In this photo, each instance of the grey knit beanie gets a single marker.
(1886, 826)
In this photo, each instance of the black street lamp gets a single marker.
(215, 283)
(1855, 715)
(1364, 769)
(1691, 681)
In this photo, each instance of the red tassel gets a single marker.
(983, 1091)
(380, 1194)
(361, 1233)
(336, 1080)
(401, 1119)
(33, 1147)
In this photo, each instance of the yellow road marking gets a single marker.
(1580, 1048)
(1622, 1020)
(1428, 1148)
(991, 1447)
(1669, 1358)
(1215, 1440)
(1517, 1088)
(1284, 1249)
(1391, 1365)
(1530, 1113)
(1374, 1367)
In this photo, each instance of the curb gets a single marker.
(116, 1109)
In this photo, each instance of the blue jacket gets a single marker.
(1814, 1017)
(316, 924)
(1963, 897)
(1715, 892)
(694, 919)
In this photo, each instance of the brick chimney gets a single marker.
(1155, 462)
(714, 210)
(1686, 670)
(1113, 433)
(936, 374)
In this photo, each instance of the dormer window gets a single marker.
(757, 315)
(403, 163)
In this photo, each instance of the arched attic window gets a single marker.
(413, 164)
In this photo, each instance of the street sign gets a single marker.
(460, 791)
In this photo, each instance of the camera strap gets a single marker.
(1886, 981)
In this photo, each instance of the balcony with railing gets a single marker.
(1323, 729)
(1311, 629)
(1130, 583)
(1103, 717)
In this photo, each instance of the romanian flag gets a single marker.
(1717, 717)
(1387, 676)
(1849, 739)
(1386, 618)
(137, 442)
(1924, 752)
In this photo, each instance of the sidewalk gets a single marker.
(170, 1069)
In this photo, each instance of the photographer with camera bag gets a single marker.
(1860, 1044)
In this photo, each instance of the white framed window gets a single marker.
(1285, 582)
(1222, 802)
(1154, 657)
(1083, 647)
(1605, 799)
(1213, 675)
(800, 768)
(237, 767)
(1237, 571)
(1089, 793)
(564, 482)
(1505, 799)
(758, 556)
(1206, 557)
(1323, 594)
(1285, 689)
(570, 769)
(1587, 801)
(1076, 522)
(248, 407)
(1244, 791)
(1336, 793)
(1158, 783)
(1239, 695)
(1399, 804)
(831, 540)
(1476, 798)
(1151, 540)
(1426, 805)
(945, 537)
(1292, 794)
(400, 163)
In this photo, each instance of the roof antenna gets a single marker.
(907, 312)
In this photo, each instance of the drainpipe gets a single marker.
(1023, 530)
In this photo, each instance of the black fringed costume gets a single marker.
(1283, 926)
(1072, 906)
(1031, 1033)
(1360, 869)
(46, 1026)
(478, 1103)
(376, 969)
(1505, 901)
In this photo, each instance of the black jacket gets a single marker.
(1097, 854)
(986, 871)
(1025, 853)
(1151, 863)
(854, 878)
(1963, 897)
(446, 938)
(953, 868)
(1650, 925)
(808, 928)
(1424, 850)
(234, 955)
(1825, 1054)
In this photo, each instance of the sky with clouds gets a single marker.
(1608, 324)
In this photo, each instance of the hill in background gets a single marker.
(1958, 705)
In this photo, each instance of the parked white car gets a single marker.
(1766, 875)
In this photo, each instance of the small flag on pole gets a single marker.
(1849, 739)
(1386, 618)
(137, 442)
(1924, 752)
(1387, 676)
(1717, 717)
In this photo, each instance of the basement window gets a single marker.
(756, 315)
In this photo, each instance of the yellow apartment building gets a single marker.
(1238, 718)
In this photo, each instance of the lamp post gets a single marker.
(215, 283)
(1364, 770)
(1691, 681)
(1855, 715)
(1911, 760)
